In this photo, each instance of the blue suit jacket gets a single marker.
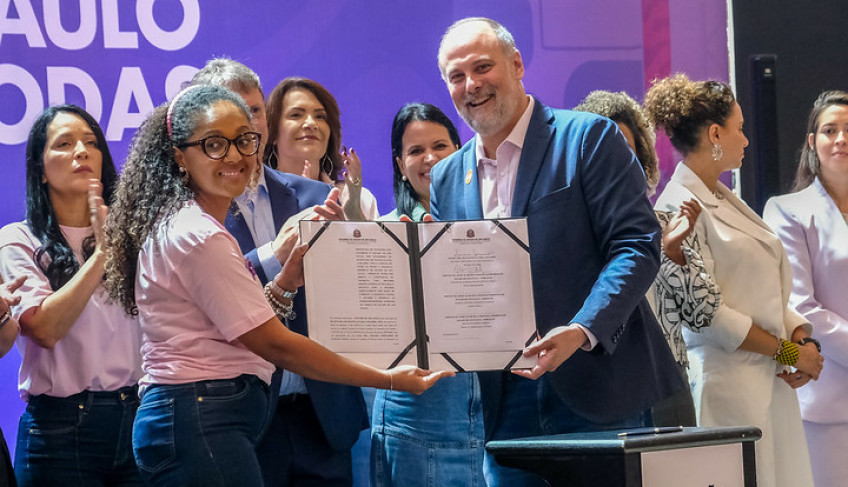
(594, 252)
(340, 409)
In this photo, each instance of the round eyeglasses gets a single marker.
(217, 146)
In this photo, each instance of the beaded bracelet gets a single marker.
(283, 311)
(787, 353)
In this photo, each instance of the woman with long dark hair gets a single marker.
(80, 351)
(812, 223)
(437, 437)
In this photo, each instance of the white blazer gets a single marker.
(733, 387)
(815, 236)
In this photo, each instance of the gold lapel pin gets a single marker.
(468, 177)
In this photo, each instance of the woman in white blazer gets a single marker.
(811, 222)
(740, 374)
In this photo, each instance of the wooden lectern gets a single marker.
(697, 457)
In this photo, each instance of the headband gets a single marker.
(171, 109)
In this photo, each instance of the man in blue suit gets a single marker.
(594, 247)
(314, 423)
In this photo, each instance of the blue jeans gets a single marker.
(201, 433)
(435, 439)
(533, 408)
(79, 440)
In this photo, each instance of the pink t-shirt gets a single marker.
(195, 297)
(101, 350)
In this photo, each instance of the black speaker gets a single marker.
(760, 172)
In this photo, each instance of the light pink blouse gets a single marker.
(101, 350)
(195, 297)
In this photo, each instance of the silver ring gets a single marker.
(5, 319)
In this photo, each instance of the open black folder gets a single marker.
(439, 295)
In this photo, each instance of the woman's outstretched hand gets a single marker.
(408, 378)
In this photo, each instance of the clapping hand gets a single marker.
(352, 184)
(8, 298)
(290, 232)
(678, 229)
(97, 209)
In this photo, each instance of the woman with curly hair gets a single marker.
(812, 223)
(80, 351)
(684, 294)
(305, 137)
(634, 125)
(210, 339)
(742, 361)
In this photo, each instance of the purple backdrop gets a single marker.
(120, 59)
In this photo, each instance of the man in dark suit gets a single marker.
(314, 423)
(594, 247)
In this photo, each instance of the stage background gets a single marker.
(119, 59)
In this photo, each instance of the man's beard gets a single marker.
(498, 116)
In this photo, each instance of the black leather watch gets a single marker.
(807, 340)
